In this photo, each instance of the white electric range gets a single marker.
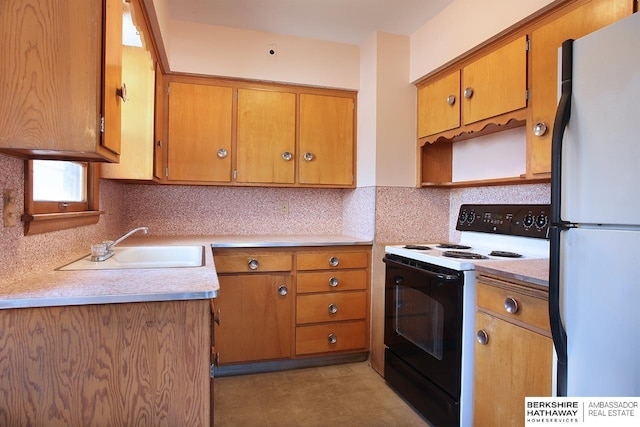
(430, 304)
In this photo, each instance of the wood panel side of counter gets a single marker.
(115, 364)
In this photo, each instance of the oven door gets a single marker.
(423, 320)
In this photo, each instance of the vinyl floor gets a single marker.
(339, 395)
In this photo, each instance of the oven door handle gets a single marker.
(439, 276)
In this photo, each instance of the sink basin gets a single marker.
(144, 257)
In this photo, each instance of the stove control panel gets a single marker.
(512, 220)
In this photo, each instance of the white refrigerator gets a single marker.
(594, 280)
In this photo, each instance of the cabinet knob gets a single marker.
(286, 156)
(122, 92)
(333, 261)
(451, 99)
(333, 282)
(539, 129)
(222, 153)
(216, 359)
(282, 290)
(333, 309)
(468, 92)
(511, 305)
(308, 156)
(482, 337)
(332, 339)
(253, 264)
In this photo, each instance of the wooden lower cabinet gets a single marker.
(124, 364)
(513, 352)
(255, 318)
(278, 304)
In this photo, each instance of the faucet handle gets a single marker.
(108, 244)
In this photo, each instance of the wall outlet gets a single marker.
(9, 210)
(284, 208)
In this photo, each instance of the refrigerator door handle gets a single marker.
(563, 114)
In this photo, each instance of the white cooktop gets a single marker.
(480, 243)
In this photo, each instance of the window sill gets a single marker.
(43, 223)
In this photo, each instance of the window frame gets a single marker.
(43, 217)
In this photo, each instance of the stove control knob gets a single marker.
(463, 217)
(541, 221)
(471, 217)
(528, 220)
(511, 305)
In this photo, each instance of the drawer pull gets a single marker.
(333, 261)
(333, 309)
(253, 264)
(282, 290)
(511, 305)
(333, 282)
(332, 339)
(482, 337)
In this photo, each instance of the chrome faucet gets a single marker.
(103, 251)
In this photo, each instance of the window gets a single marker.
(59, 195)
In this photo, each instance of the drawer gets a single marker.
(324, 281)
(530, 310)
(252, 263)
(332, 260)
(331, 337)
(331, 306)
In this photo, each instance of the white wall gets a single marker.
(461, 26)
(367, 113)
(396, 114)
(232, 52)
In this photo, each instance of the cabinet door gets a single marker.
(496, 83)
(199, 146)
(137, 147)
(266, 137)
(255, 321)
(326, 140)
(114, 87)
(514, 363)
(439, 105)
(51, 90)
(545, 42)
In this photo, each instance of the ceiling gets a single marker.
(344, 21)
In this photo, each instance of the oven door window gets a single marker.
(420, 319)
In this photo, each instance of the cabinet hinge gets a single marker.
(235, 174)
(237, 95)
(168, 90)
(166, 172)
(527, 45)
(212, 369)
(526, 94)
(101, 124)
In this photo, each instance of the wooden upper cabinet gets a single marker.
(52, 79)
(266, 136)
(327, 148)
(439, 105)
(496, 83)
(199, 142)
(545, 42)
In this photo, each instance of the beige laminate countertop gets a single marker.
(532, 271)
(80, 287)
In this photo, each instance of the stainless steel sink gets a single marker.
(143, 257)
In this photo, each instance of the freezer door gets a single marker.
(600, 306)
(601, 149)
